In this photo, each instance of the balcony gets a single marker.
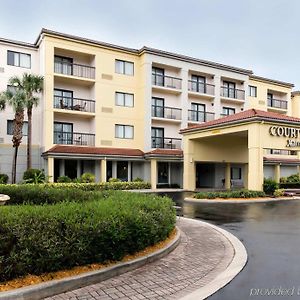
(167, 83)
(76, 70)
(74, 104)
(232, 95)
(277, 105)
(74, 138)
(164, 112)
(200, 116)
(166, 143)
(201, 89)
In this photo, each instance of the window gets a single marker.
(124, 131)
(198, 84)
(63, 65)
(10, 127)
(163, 172)
(252, 91)
(158, 109)
(63, 133)
(18, 59)
(236, 173)
(157, 135)
(124, 67)
(63, 99)
(198, 112)
(228, 111)
(122, 170)
(229, 89)
(158, 76)
(124, 99)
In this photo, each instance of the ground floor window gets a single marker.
(163, 172)
(122, 170)
(236, 173)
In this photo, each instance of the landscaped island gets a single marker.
(45, 228)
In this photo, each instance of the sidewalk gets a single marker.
(203, 253)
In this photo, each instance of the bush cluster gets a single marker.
(230, 194)
(290, 185)
(290, 179)
(38, 239)
(3, 179)
(279, 193)
(270, 186)
(51, 193)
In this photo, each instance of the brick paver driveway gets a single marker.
(201, 255)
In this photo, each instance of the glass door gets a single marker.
(63, 65)
(198, 112)
(63, 133)
(158, 76)
(63, 99)
(198, 84)
(157, 137)
(229, 89)
(158, 107)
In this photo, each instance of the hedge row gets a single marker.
(289, 185)
(44, 194)
(230, 194)
(38, 239)
(58, 192)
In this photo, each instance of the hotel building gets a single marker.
(167, 118)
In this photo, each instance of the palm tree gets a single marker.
(31, 85)
(17, 100)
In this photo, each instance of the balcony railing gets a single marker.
(200, 87)
(74, 138)
(76, 104)
(282, 104)
(166, 81)
(166, 143)
(74, 69)
(166, 112)
(232, 93)
(200, 116)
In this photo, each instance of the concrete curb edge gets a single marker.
(233, 269)
(226, 201)
(51, 288)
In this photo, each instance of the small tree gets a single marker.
(31, 85)
(17, 100)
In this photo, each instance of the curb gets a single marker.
(51, 288)
(233, 269)
(194, 200)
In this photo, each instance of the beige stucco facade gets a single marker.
(78, 122)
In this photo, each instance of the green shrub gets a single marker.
(270, 186)
(57, 192)
(62, 179)
(114, 180)
(38, 239)
(3, 179)
(87, 178)
(34, 176)
(279, 193)
(293, 178)
(283, 179)
(137, 179)
(230, 194)
(290, 185)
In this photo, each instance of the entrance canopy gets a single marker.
(244, 138)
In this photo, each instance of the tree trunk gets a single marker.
(14, 166)
(29, 137)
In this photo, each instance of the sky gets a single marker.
(260, 35)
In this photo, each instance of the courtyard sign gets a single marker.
(288, 132)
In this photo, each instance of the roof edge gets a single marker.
(274, 81)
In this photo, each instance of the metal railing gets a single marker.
(74, 69)
(76, 104)
(277, 103)
(166, 112)
(166, 143)
(166, 81)
(74, 138)
(200, 87)
(232, 93)
(200, 116)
